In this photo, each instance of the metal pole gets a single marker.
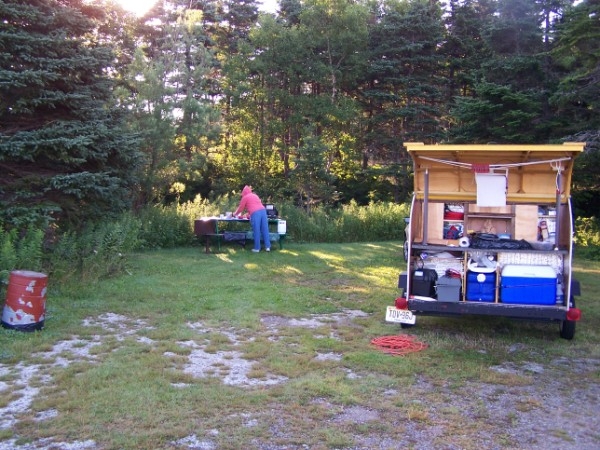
(426, 207)
(558, 215)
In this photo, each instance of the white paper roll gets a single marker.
(463, 242)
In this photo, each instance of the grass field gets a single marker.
(301, 321)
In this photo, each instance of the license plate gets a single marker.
(396, 315)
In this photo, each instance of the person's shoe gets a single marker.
(255, 251)
(268, 249)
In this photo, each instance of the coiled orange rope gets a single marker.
(399, 345)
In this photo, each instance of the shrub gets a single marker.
(100, 250)
(587, 237)
(202, 207)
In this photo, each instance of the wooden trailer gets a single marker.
(490, 233)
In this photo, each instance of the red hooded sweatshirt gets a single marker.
(250, 202)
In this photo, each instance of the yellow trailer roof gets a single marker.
(531, 170)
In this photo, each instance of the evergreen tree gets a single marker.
(464, 47)
(508, 99)
(402, 93)
(333, 85)
(240, 16)
(63, 153)
(289, 11)
(576, 55)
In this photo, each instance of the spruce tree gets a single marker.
(576, 57)
(402, 95)
(64, 156)
(507, 100)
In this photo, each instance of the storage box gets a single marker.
(528, 285)
(448, 289)
(423, 282)
(481, 286)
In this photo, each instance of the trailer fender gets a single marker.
(575, 287)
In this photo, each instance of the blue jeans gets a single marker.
(260, 227)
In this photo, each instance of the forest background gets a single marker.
(149, 121)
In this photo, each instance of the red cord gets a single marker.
(399, 345)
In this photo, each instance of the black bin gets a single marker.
(423, 282)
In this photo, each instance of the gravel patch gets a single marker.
(229, 366)
(559, 408)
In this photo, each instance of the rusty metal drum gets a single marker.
(25, 306)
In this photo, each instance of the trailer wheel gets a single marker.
(567, 327)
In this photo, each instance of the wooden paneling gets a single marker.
(526, 222)
(531, 169)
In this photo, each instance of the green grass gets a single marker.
(130, 397)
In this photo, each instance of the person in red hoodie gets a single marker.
(258, 217)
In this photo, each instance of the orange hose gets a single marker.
(399, 345)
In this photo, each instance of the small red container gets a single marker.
(25, 306)
(452, 215)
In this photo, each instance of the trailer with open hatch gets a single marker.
(490, 233)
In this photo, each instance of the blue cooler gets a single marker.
(528, 285)
(481, 286)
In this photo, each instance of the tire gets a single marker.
(567, 327)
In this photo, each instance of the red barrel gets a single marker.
(25, 307)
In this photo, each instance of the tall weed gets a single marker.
(20, 252)
(164, 227)
(348, 223)
(99, 251)
(30, 252)
(378, 221)
(8, 250)
(23, 251)
(8, 256)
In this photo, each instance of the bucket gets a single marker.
(25, 306)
